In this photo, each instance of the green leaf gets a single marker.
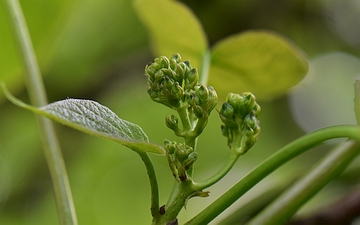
(261, 62)
(95, 119)
(173, 29)
(357, 101)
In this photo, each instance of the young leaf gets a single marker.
(173, 28)
(261, 62)
(95, 119)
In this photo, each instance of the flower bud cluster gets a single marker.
(168, 78)
(181, 157)
(239, 114)
(176, 85)
(202, 100)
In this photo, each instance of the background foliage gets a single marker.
(98, 50)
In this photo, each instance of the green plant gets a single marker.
(181, 87)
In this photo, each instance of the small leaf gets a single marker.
(173, 28)
(95, 119)
(357, 101)
(261, 62)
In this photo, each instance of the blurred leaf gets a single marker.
(173, 29)
(325, 97)
(357, 101)
(43, 19)
(261, 62)
(95, 119)
(76, 42)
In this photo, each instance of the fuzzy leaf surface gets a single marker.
(95, 119)
(173, 29)
(260, 62)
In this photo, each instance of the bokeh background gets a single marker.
(98, 50)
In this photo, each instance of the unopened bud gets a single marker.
(202, 92)
(192, 157)
(191, 78)
(227, 110)
(213, 98)
(176, 57)
(198, 111)
(247, 103)
(172, 122)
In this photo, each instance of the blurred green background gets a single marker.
(98, 50)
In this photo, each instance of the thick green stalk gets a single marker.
(60, 183)
(292, 199)
(172, 209)
(282, 156)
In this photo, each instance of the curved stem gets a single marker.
(153, 184)
(292, 199)
(220, 174)
(59, 178)
(282, 156)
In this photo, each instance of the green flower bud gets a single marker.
(173, 64)
(227, 116)
(192, 157)
(153, 94)
(212, 99)
(247, 103)
(256, 109)
(176, 57)
(234, 100)
(241, 126)
(172, 122)
(150, 72)
(159, 76)
(198, 111)
(162, 62)
(178, 74)
(170, 78)
(227, 111)
(170, 147)
(184, 68)
(191, 78)
(202, 92)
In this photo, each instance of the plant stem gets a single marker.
(220, 174)
(60, 183)
(289, 202)
(153, 184)
(185, 189)
(282, 156)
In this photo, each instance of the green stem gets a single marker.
(220, 174)
(172, 209)
(289, 202)
(153, 184)
(173, 193)
(282, 156)
(60, 183)
(185, 120)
